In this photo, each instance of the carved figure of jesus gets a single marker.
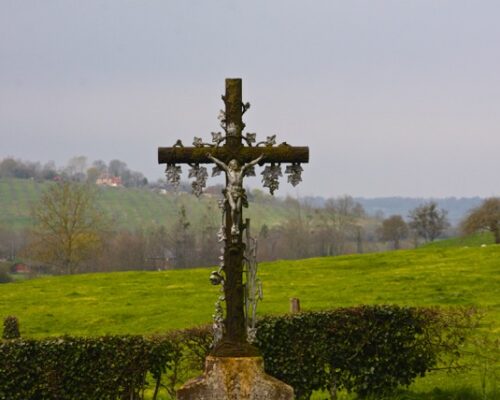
(234, 193)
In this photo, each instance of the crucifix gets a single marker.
(230, 155)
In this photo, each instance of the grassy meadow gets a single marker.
(448, 273)
(147, 302)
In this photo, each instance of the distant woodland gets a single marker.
(144, 225)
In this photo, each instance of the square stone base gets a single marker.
(235, 378)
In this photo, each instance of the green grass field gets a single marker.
(448, 273)
(131, 208)
(147, 302)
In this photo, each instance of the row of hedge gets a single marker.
(367, 349)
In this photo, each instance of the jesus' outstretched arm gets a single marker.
(218, 162)
(252, 163)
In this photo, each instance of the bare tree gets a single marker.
(208, 249)
(341, 223)
(11, 241)
(429, 221)
(485, 217)
(394, 229)
(129, 249)
(157, 246)
(295, 234)
(117, 168)
(68, 227)
(182, 241)
(100, 166)
(75, 169)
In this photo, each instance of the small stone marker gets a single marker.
(294, 305)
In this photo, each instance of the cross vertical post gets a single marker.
(237, 161)
(235, 330)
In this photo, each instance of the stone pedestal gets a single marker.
(235, 378)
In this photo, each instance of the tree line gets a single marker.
(77, 169)
(72, 235)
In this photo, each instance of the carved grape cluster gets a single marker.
(200, 174)
(173, 174)
(294, 173)
(270, 177)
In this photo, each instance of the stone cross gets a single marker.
(236, 160)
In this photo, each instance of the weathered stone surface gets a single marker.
(235, 378)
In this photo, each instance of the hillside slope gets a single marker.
(132, 208)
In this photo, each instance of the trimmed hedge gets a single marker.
(79, 368)
(368, 350)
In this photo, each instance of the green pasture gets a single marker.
(456, 273)
(147, 302)
(133, 208)
(477, 240)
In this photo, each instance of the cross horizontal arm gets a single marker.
(198, 155)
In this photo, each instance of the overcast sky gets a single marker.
(393, 97)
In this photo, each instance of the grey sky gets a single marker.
(393, 97)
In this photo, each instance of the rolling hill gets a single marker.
(132, 208)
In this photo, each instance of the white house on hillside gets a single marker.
(108, 180)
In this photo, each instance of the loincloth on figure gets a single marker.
(237, 193)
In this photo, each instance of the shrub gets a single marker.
(190, 347)
(4, 276)
(11, 328)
